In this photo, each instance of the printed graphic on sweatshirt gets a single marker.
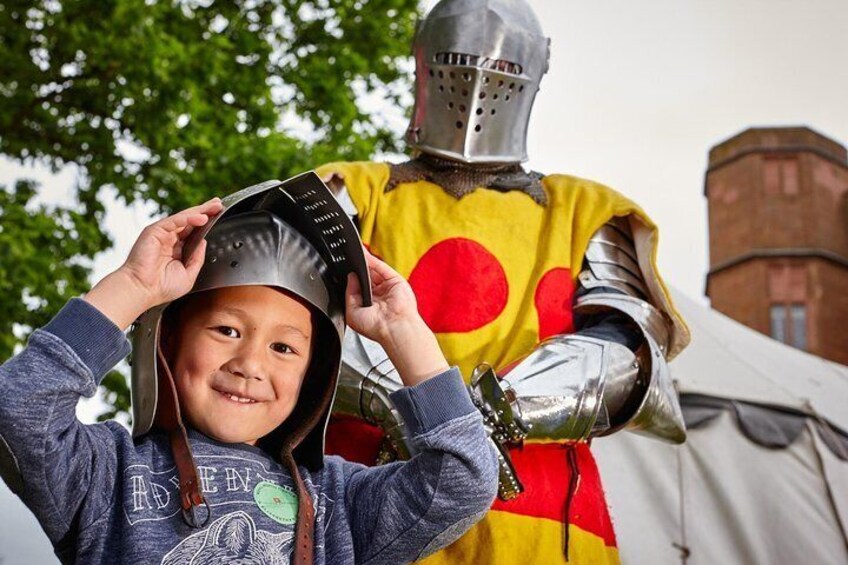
(225, 481)
(233, 538)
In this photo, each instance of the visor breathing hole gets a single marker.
(234, 264)
(477, 128)
(479, 111)
(458, 125)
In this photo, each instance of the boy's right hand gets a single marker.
(155, 271)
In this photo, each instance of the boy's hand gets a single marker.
(155, 271)
(394, 322)
(156, 263)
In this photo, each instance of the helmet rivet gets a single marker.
(213, 258)
(238, 244)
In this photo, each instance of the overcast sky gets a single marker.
(637, 93)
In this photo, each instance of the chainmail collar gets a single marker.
(461, 179)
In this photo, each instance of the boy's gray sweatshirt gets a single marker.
(103, 498)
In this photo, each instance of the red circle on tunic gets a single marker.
(460, 286)
(553, 299)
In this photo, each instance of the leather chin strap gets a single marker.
(170, 420)
(304, 530)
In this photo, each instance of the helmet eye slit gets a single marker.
(466, 60)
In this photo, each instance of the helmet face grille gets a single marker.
(327, 218)
(479, 64)
(474, 112)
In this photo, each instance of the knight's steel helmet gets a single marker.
(478, 65)
(292, 235)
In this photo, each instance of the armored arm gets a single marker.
(612, 373)
(366, 380)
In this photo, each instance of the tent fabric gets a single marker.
(767, 426)
(729, 360)
(835, 440)
(763, 476)
(721, 498)
(837, 480)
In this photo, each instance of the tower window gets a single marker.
(798, 318)
(789, 324)
(778, 322)
(780, 176)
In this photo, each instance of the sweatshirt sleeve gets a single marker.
(407, 510)
(48, 457)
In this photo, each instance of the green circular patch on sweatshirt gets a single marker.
(278, 502)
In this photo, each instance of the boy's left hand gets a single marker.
(394, 322)
(393, 301)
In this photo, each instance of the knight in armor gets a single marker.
(542, 288)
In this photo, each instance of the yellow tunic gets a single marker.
(494, 272)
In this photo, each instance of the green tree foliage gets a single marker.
(173, 102)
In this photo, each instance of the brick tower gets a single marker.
(778, 227)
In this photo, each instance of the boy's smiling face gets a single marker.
(239, 356)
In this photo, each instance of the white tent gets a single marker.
(763, 477)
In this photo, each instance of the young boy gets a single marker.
(232, 386)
